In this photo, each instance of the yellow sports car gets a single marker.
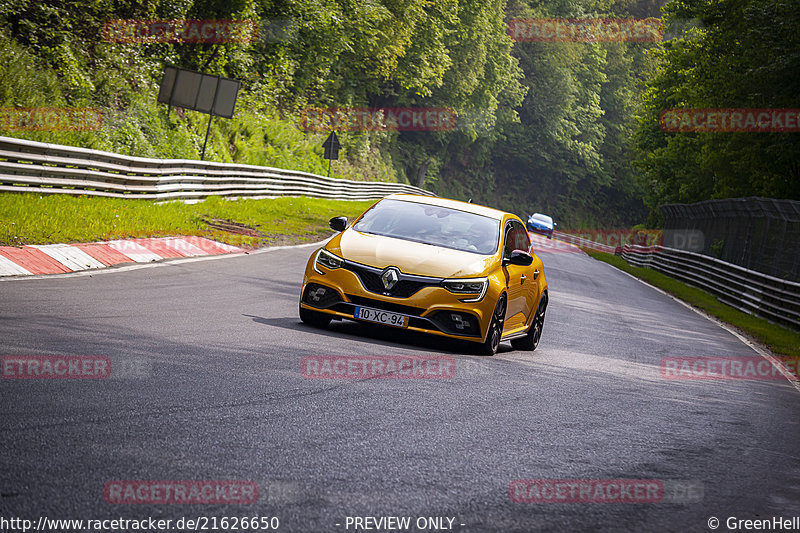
(433, 265)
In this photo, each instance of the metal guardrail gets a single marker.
(747, 290)
(30, 166)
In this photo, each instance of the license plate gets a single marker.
(381, 317)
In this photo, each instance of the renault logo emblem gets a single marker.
(390, 278)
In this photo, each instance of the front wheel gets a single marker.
(314, 318)
(492, 342)
(530, 341)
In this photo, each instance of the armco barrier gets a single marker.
(29, 166)
(747, 290)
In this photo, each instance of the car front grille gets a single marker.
(442, 322)
(406, 286)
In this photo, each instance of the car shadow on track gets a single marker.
(384, 336)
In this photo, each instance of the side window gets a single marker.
(508, 243)
(516, 238)
(523, 240)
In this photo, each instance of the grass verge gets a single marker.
(34, 219)
(782, 341)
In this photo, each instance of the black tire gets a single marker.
(315, 318)
(492, 342)
(530, 341)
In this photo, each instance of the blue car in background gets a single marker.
(541, 224)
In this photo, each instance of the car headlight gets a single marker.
(326, 259)
(475, 286)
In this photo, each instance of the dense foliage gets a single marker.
(543, 126)
(726, 54)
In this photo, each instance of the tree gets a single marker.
(734, 54)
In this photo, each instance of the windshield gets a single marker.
(544, 219)
(430, 224)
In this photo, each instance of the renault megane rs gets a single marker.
(432, 265)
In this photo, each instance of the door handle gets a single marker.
(523, 278)
(536, 273)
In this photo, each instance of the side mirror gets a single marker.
(520, 258)
(554, 224)
(338, 223)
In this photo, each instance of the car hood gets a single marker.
(410, 257)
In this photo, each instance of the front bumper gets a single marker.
(540, 231)
(431, 309)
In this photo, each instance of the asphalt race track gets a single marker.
(207, 385)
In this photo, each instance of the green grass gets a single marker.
(782, 341)
(34, 219)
